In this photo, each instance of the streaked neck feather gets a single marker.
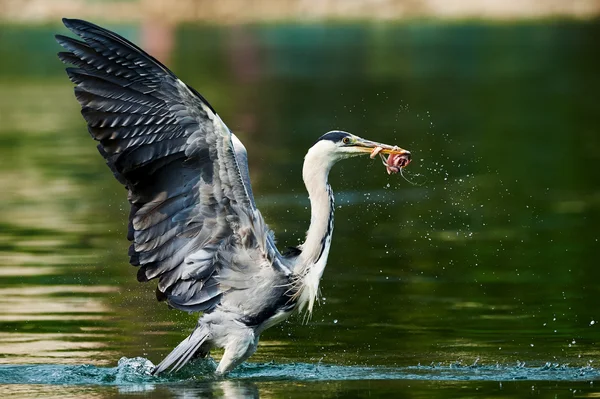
(315, 250)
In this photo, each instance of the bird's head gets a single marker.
(336, 145)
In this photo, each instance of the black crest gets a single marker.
(335, 136)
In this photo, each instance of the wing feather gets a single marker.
(193, 214)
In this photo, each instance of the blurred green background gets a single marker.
(492, 257)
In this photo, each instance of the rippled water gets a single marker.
(132, 376)
(481, 281)
(138, 371)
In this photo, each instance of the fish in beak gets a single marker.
(394, 158)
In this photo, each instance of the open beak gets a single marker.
(396, 157)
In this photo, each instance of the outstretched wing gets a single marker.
(192, 211)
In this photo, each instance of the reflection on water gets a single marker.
(266, 390)
(493, 258)
(218, 389)
(27, 305)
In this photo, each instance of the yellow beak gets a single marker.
(370, 146)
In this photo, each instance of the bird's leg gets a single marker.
(240, 346)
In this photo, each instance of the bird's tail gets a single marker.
(184, 351)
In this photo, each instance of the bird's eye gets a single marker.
(346, 140)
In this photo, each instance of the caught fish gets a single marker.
(375, 151)
(393, 162)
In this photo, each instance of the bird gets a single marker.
(193, 224)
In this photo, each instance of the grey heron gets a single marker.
(194, 224)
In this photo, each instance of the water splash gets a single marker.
(135, 373)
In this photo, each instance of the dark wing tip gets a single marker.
(161, 296)
(141, 275)
(77, 25)
(81, 28)
(74, 23)
(63, 40)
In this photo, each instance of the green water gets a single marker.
(483, 281)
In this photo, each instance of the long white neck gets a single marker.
(312, 260)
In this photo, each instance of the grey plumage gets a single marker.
(193, 224)
(176, 158)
